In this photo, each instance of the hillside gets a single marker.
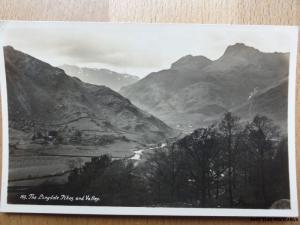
(42, 97)
(271, 102)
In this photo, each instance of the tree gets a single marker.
(279, 173)
(81, 176)
(120, 185)
(229, 128)
(165, 173)
(263, 138)
(201, 149)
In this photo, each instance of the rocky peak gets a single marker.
(191, 61)
(239, 50)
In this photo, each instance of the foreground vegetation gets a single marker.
(231, 164)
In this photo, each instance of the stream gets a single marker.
(138, 153)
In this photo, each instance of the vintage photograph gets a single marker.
(151, 116)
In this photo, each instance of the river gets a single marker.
(138, 153)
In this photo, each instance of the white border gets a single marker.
(159, 211)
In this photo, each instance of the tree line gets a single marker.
(231, 164)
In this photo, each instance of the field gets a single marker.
(32, 164)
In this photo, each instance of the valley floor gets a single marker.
(33, 164)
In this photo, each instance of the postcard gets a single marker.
(148, 119)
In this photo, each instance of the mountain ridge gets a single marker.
(219, 85)
(100, 76)
(41, 97)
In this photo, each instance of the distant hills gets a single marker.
(196, 90)
(41, 96)
(105, 77)
(193, 92)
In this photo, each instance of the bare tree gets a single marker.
(229, 128)
(263, 136)
(201, 149)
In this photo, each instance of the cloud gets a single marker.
(133, 48)
(82, 47)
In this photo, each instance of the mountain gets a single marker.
(271, 102)
(43, 97)
(105, 77)
(190, 62)
(195, 89)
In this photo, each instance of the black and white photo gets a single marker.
(148, 119)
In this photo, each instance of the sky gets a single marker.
(136, 49)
